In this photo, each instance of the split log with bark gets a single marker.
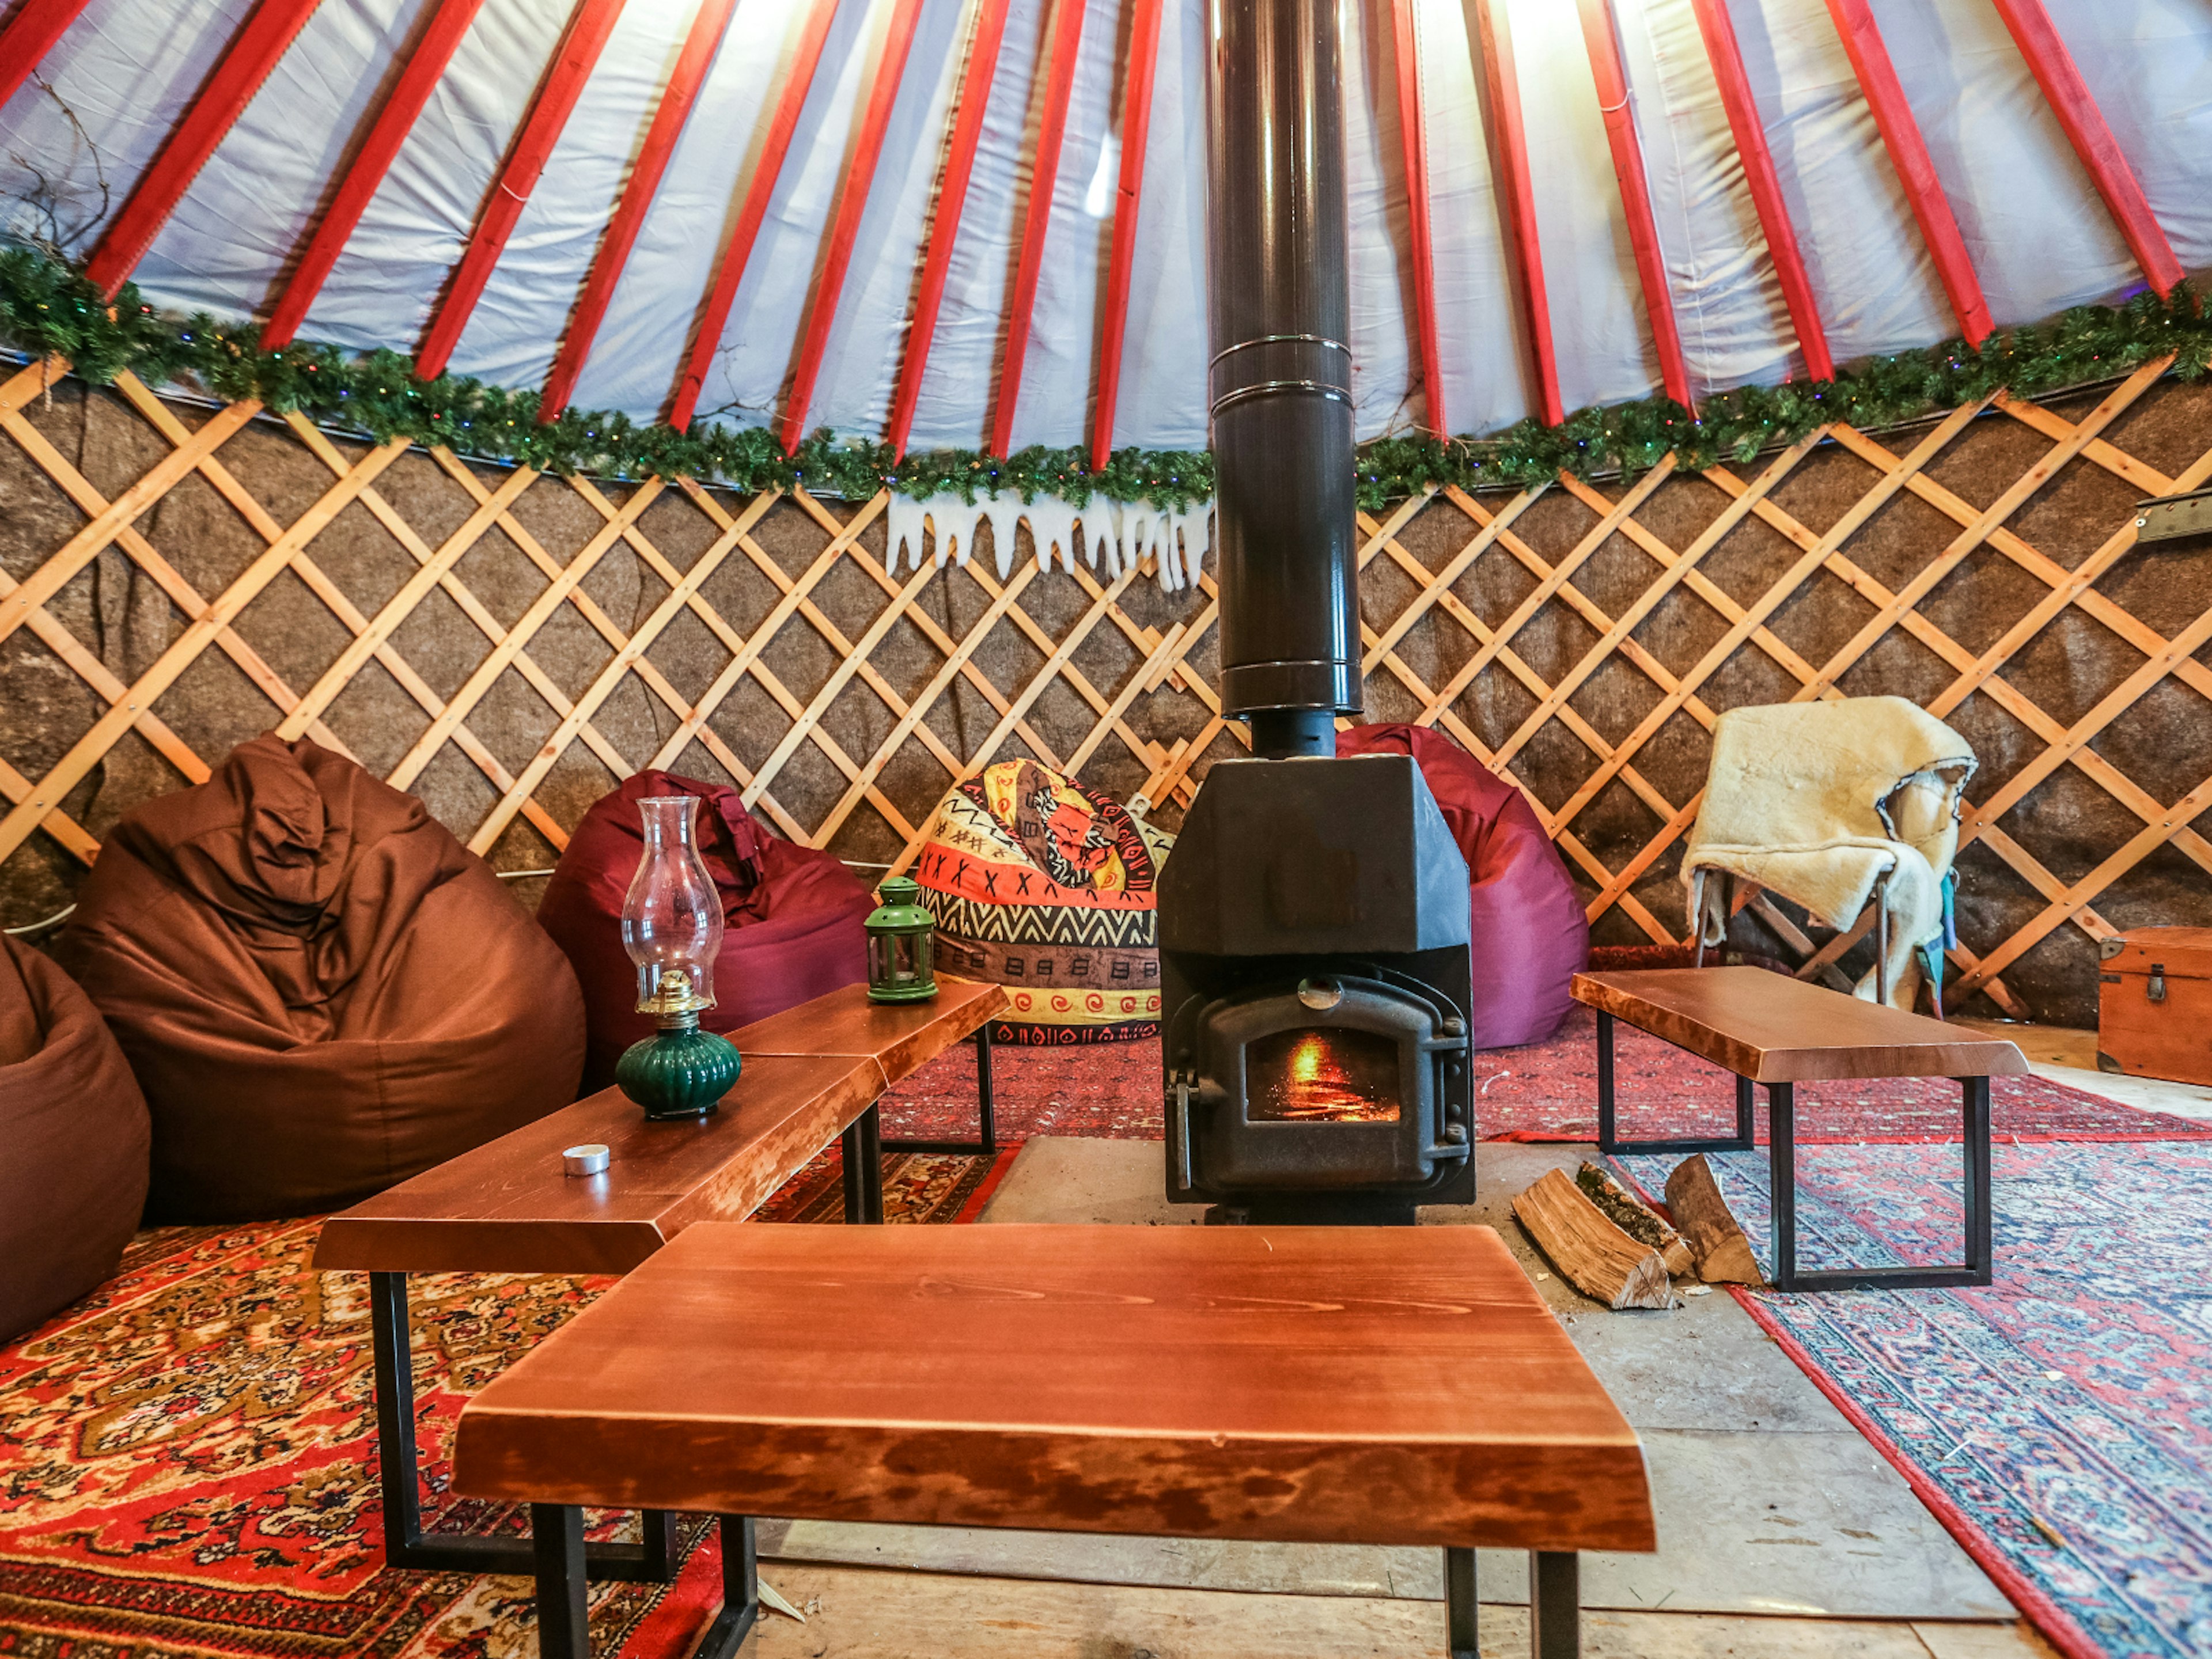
(1722, 1254)
(1591, 1253)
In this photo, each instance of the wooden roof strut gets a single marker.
(1916, 169)
(677, 100)
(1129, 205)
(1599, 35)
(714, 314)
(1052, 130)
(845, 224)
(260, 41)
(983, 45)
(402, 108)
(573, 63)
(1509, 141)
(2075, 107)
(1412, 131)
(1759, 174)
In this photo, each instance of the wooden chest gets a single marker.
(2154, 1004)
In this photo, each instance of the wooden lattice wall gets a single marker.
(507, 645)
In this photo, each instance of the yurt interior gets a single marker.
(1105, 828)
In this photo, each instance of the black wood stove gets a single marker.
(1313, 915)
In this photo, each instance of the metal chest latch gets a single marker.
(2157, 987)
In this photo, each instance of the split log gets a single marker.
(1591, 1254)
(1724, 1255)
(1635, 1218)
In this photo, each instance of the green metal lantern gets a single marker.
(901, 945)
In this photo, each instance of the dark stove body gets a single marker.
(1315, 984)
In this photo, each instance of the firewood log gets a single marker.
(1591, 1254)
(1724, 1254)
(1635, 1218)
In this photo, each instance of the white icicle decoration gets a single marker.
(1116, 535)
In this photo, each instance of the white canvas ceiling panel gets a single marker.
(1383, 354)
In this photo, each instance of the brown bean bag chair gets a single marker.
(321, 991)
(73, 1179)
(792, 915)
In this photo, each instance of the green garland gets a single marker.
(47, 307)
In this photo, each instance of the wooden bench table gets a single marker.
(1771, 1029)
(507, 1207)
(1391, 1385)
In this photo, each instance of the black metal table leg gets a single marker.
(398, 1462)
(1462, 1640)
(987, 1139)
(1781, 1181)
(1981, 1251)
(740, 1591)
(1555, 1605)
(564, 1622)
(863, 1157)
(1608, 1135)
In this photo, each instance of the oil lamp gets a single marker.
(671, 927)
(901, 945)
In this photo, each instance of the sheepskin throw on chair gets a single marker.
(1816, 801)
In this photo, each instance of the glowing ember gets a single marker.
(1323, 1076)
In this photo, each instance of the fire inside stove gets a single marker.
(1323, 1076)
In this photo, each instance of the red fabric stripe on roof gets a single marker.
(1129, 205)
(1412, 131)
(677, 100)
(30, 35)
(573, 63)
(265, 37)
(715, 315)
(1517, 196)
(1066, 44)
(2075, 107)
(1635, 194)
(852, 202)
(1750, 135)
(426, 66)
(944, 225)
(1916, 169)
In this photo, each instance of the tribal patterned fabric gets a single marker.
(2060, 1421)
(1046, 887)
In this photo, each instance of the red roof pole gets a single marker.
(1413, 130)
(2072, 102)
(253, 51)
(715, 314)
(1509, 145)
(573, 63)
(676, 100)
(1066, 42)
(1916, 169)
(1727, 59)
(1598, 34)
(944, 225)
(852, 202)
(1128, 203)
(425, 66)
(30, 36)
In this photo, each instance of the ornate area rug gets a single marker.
(188, 1456)
(1546, 1091)
(2059, 1423)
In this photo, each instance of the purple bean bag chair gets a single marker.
(1530, 937)
(792, 916)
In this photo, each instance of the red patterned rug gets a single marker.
(1546, 1091)
(188, 1456)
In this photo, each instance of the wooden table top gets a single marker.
(1384, 1384)
(901, 1036)
(1773, 1029)
(507, 1207)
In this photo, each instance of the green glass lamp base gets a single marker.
(679, 1073)
(902, 993)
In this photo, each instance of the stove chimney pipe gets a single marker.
(1281, 385)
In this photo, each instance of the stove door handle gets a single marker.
(1179, 1132)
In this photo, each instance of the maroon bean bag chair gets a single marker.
(1530, 937)
(792, 915)
(75, 1177)
(321, 991)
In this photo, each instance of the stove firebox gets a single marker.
(1315, 990)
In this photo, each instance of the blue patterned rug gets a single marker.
(2060, 1422)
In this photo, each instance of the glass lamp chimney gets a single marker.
(671, 918)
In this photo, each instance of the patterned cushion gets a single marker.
(1046, 887)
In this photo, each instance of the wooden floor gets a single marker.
(861, 1613)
